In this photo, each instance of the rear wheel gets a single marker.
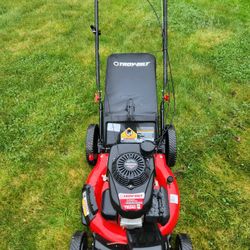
(79, 241)
(92, 144)
(183, 242)
(171, 148)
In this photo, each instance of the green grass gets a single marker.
(46, 104)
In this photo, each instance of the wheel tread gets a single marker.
(183, 242)
(91, 142)
(79, 241)
(171, 148)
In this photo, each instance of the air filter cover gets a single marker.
(130, 170)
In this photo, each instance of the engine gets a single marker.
(132, 195)
(131, 178)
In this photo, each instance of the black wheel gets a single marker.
(171, 149)
(183, 242)
(92, 144)
(79, 241)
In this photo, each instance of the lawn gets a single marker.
(47, 87)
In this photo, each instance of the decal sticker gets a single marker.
(174, 199)
(85, 206)
(128, 135)
(145, 133)
(114, 127)
(131, 201)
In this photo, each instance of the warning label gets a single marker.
(174, 199)
(128, 135)
(85, 206)
(145, 133)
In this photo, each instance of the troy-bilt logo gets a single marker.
(131, 196)
(131, 64)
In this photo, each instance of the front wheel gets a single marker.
(183, 242)
(79, 241)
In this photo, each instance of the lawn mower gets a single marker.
(131, 200)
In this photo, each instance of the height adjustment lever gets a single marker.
(93, 29)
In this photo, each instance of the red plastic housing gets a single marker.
(111, 230)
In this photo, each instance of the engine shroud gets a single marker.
(130, 170)
(131, 178)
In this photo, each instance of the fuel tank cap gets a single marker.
(147, 148)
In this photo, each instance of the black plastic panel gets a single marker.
(88, 198)
(148, 237)
(108, 211)
(159, 212)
